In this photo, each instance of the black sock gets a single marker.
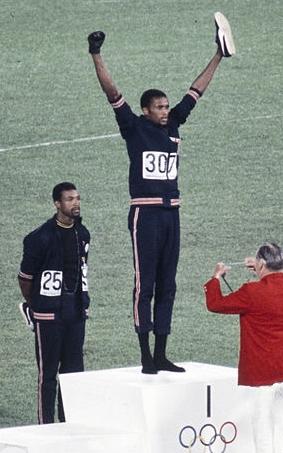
(148, 365)
(160, 360)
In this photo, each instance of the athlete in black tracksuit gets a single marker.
(154, 213)
(53, 280)
(153, 145)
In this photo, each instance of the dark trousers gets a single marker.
(59, 349)
(155, 233)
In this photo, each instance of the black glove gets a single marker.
(95, 41)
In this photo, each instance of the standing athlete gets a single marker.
(153, 144)
(53, 281)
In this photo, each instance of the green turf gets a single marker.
(230, 175)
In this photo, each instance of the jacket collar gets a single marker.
(53, 222)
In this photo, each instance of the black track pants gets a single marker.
(155, 233)
(59, 348)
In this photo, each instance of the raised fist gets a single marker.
(95, 41)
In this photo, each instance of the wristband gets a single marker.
(196, 91)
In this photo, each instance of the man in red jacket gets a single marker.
(260, 306)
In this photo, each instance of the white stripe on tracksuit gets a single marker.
(40, 375)
(137, 269)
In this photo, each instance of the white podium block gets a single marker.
(202, 410)
(10, 448)
(68, 438)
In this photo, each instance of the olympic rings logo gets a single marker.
(209, 437)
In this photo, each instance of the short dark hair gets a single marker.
(148, 95)
(272, 254)
(59, 188)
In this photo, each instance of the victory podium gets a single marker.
(124, 411)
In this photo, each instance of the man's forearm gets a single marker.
(203, 80)
(26, 289)
(105, 79)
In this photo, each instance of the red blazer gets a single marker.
(260, 306)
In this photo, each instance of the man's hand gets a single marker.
(250, 263)
(95, 41)
(220, 270)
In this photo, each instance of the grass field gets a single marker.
(230, 174)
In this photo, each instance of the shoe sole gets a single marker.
(224, 26)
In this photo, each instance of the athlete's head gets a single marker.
(67, 201)
(155, 106)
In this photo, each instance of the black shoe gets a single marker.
(166, 365)
(224, 37)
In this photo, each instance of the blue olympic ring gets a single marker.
(208, 442)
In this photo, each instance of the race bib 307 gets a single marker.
(159, 165)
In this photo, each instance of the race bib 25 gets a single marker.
(51, 283)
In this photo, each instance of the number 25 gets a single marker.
(52, 278)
